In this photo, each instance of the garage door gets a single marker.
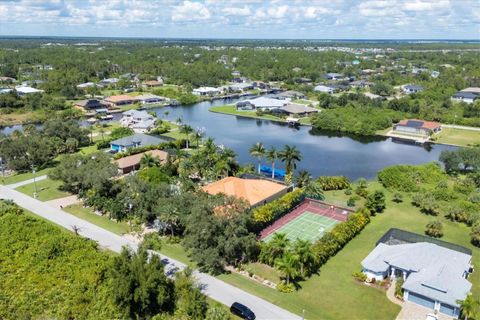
(445, 308)
(421, 300)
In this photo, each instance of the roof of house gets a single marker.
(148, 96)
(139, 139)
(138, 114)
(89, 103)
(466, 95)
(153, 82)
(290, 93)
(119, 98)
(265, 102)
(26, 90)
(323, 88)
(297, 108)
(251, 190)
(436, 272)
(134, 160)
(413, 87)
(421, 124)
(472, 89)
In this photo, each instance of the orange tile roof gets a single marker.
(426, 124)
(119, 98)
(252, 190)
(134, 160)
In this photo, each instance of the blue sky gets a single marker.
(314, 19)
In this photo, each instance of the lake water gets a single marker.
(323, 154)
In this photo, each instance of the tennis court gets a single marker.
(308, 221)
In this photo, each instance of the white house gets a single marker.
(322, 88)
(262, 103)
(21, 91)
(149, 98)
(206, 91)
(139, 121)
(434, 275)
(468, 95)
(411, 88)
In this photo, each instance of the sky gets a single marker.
(280, 19)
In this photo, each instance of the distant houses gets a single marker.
(324, 89)
(89, 105)
(24, 90)
(261, 103)
(468, 95)
(333, 76)
(206, 91)
(411, 89)
(120, 100)
(415, 126)
(295, 110)
(138, 121)
(148, 98)
(153, 83)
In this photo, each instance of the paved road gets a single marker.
(22, 183)
(214, 288)
(460, 127)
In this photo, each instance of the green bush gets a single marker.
(408, 178)
(285, 288)
(270, 212)
(359, 276)
(398, 288)
(333, 182)
(434, 229)
(333, 241)
(351, 202)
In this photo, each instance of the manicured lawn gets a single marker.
(102, 221)
(458, 137)
(46, 190)
(177, 252)
(23, 176)
(264, 271)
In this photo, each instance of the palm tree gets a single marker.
(302, 249)
(199, 134)
(272, 156)
(290, 155)
(278, 245)
(469, 307)
(149, 161)
(171, 219)
(187, 130)
(303, 178)
(258, 151)
(287, 265)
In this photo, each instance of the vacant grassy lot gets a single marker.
(46, 190)
(102, 221)
(458, 137)
(23, 176)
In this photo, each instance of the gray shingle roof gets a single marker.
(139, 140)
(436, 272)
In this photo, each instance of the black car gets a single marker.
(242, 311)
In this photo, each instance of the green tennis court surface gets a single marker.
(307, 226)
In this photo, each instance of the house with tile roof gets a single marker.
(418, 127)
(434, 275)
(255, 191)
(132, 163)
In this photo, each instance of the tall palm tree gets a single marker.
(199, 134)
(149, 161)
(303, 178)
(187, 130)
(287, 265)
(469, 307)
(302, 249)
(278, 245)
(272, 156)
(258, 151)
(171, 219)
(290, 155)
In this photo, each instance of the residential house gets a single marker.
(85, 85)
(416, 126)
(254, 191)
(324, 88)
(411, 88)
(295, 110)
(362, 84)
(241, 87)
(89, 105)
(7, 80)
(261, 103)
(132, 163)
(206, 91)
(139, 121)
(434, 272)
(464, 96)
(153, 83)
(108, 82)
(136, 140)
(333, 76)
(291, 94)
(5, 90)
(303, 80)
(21, 91)
(149, 98)
(120, 100)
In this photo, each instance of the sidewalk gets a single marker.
(23, 183)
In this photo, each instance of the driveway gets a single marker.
(214, 288)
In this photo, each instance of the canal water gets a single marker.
(323, 153)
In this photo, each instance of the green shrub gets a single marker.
(285, 288)
(351, 202)
(333, 182)
(152, 241)
(409, 178)
(434, 229)
(272, 211)
(398, 288)
(359, 276)
(348, 191)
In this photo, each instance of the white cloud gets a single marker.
(190, 11)
(237, 11)
(421, 5)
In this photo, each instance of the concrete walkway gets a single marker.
(24, 183)
(64, 202)
(212, 287)
(460, 127)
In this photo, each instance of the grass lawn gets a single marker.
(177, 252)
(264, 271)
(23, 176)
(458, 137)
(102, 221)
(47, 190)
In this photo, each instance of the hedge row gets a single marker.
(333, 182)
(333, 241)
(272, 211)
